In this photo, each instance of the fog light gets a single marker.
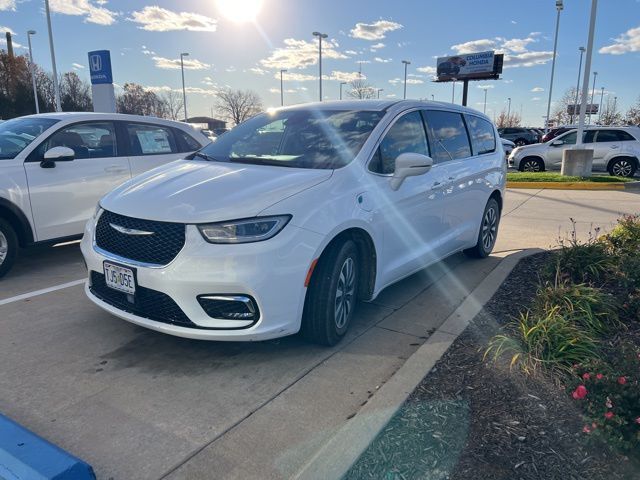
(230, 307)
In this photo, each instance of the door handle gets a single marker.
(436, 185)
(115, 169)
(615, 146)
(452, 178)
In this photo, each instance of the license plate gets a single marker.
(119, 278)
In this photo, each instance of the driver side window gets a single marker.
(407, 135)
(87, 140)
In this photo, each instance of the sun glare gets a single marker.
(240, 11)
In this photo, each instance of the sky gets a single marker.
(243, 44)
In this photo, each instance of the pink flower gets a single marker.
(638, 420)
(599, 376)
(622, 380)
(586, 429)
(594, 425)
(608, 415)
(608, 403)
(586, 376)
(580, 392)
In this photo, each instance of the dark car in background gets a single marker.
(554, 132)
(518, 135)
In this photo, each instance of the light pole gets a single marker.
(575, 105)
(320, 37)
(433, 97)
(184, 91)
(341, 83)
(406, 64)
(379, 90)
(282, 88)
(593, 91)
(509, 113)
(453, 91)
(484, 110)
(559, 7)
(587, 70)
(56, 87)
(600, 107)
(32, 70)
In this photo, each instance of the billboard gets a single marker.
(573, 109)
(469, 66)
(100, 67)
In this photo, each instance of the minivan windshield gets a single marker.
(301, 138)
(17, 134)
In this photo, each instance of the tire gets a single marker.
(324, 321)
(8, 247)
(622, 167)
(531, 164)
(488, 231)
(520, 142)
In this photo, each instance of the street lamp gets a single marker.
(433, 97)
(379, 90)
(484, 110)
(559, 7)
(184, 91)
(282, 88)
(593, 91)
(575, 106)
(320, 37)
(32, 70)
(600, 108)
(406, 63)
(341, 84)
(509, 113)
(453, 91)
(56, 87)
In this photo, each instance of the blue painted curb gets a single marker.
(26, 456)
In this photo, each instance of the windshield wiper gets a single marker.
(209, 158)
(262, 161)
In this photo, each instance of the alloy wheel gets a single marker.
(622, 168)
(531, 166)
(345, 293)
(489, 228)
(4, 247)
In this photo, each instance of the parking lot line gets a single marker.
(24, 296)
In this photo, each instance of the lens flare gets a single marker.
(240, 11)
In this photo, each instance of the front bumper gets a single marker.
(272, 272)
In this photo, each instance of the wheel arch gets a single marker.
(12, 214)
(534, 157)
(497, 195)
(633, 158)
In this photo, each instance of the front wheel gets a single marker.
(8, 247)
(531, 164)
(622, 167)
(332, 295)
(488, 231)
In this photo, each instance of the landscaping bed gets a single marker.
(557, 177)
(482, 415)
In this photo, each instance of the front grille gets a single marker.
(158, 248)
(147, 303)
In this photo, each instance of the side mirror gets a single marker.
(557, 143)
(57, 154)
(409, 165)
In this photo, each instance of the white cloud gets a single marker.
(7, 5)
(230, 69)
(537, 89)
(535, 99)
(374, 31)
(6, 29)
(382, 60)
(514, 50)
(514, 22)
(376, 46)
(345, 76)
(77, 66)
(208, 81)
(350, 52)
(428, 70)
(190, 90)
(97, 13)
(517, 45)
(157, 19)
(527, 59)
(300, 54)
(484, 87)
(174, 63)
(296, 77)
(410, 81)
(146, 51)
(257, 70)
(474, 46)
(625, 43)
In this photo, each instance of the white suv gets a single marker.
(54, 167)
(615, 149)
(286, 220)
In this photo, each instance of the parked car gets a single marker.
(507, 146)
(518, 135)
(554, 132)
(54, 167)
(284, 222)
(615, 149)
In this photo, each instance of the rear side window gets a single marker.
(186, 143)
(147, 139)
(447, 135)
(606, 136)
(405, 136)
(624, 136)
(482, 135)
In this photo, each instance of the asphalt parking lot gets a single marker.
(139, 404)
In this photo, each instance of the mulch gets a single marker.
(475, 419)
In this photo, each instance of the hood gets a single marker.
(536, 147)
(200, 191)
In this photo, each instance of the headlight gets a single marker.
(244, 231)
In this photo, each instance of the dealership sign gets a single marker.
(470, 66)
(592, 108)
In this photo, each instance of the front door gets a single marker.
(63, 198)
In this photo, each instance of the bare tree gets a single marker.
(238, 105)
(173, 104)
(75, 94)
(610, 115)
(511, 120)
(632, 116)
(139, 101)
(560, 114)
(361, 90)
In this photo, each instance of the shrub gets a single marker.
(545, 339)
(624, 239)
(609, 395)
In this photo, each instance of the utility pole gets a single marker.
(559, 7)
(406, 64)
(587, 71)
(600, 107)
(320, 37)
(509, 113)
(33, 70)
(282, 88)
(593, 91)
(184, 91)
(56, 87)
(575, 105)
(484, 110)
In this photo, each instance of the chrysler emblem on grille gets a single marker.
(129, 231)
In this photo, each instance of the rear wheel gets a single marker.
(488, 231)
(8, 247)
(332, 295)
(622, 167)
(520, 142)
(531, 164)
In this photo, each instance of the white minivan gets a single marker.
(287, 220)
(54, 167)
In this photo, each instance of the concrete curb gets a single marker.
(576, 185)
(26, 456)
(335, 458)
